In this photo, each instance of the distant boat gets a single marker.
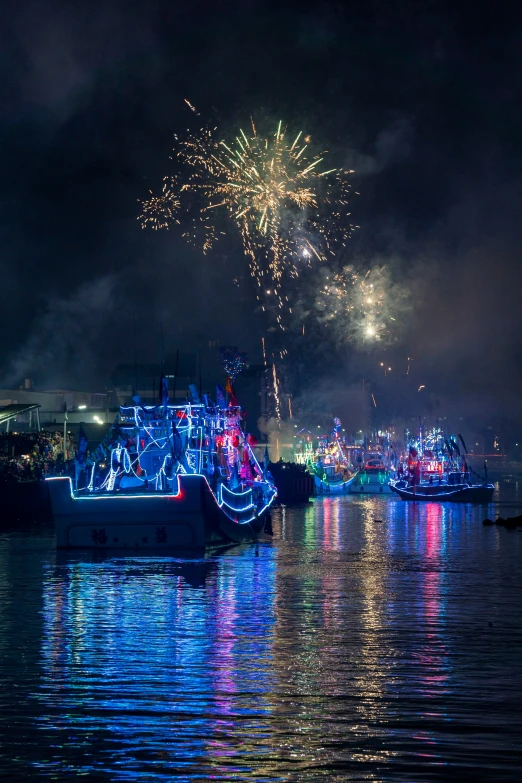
(328, 482)
(435, 471)
(178, 476)
(329, 463)
(293, 481)
(373, 478)
(444, 492)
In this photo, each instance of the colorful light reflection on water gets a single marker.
(370, 639)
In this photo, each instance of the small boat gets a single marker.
(451, 493)
(178, 476)
(373, 478)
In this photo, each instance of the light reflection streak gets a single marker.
(435, 655)
(316, 652)
(135, 652)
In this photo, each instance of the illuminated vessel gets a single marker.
(373, 478)
(181, 476)
(331, 478)
(457, 492)
(331, 464)
(436, 471)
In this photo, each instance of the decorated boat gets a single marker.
(459, 492)
(437, 470)
(374, 476)
(175, 476)
(331, 464)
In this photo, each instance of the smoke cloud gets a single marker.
(64, 341)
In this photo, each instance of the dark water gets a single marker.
(345, 648)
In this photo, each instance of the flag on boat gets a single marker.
(82, 445)
(194, 394)
(246, 470)
(266, 460)
(220, 396)
(177, 443)
(164, 391)
(234, 482)
(232, 395)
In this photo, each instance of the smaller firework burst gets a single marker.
(160, 211)
(362, 307)
(233, 361)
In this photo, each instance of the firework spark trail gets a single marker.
(360, 306)
(276, 394)
(289, 208)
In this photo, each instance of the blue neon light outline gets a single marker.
(151, 496)
(191, 430)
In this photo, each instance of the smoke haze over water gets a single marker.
(421, 102)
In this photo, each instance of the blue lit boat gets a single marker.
(181, 476)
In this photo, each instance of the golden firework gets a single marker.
(359, 306)
(288, 206)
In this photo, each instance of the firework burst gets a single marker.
(233, 361)
(160, 211)
(288, 206)
(365, 307)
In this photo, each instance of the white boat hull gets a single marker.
(187, 519)
(368, 484)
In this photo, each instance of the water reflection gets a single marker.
(369, 639)
(150, 658)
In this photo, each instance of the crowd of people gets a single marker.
(34, 456)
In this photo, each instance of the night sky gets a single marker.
(422, 99)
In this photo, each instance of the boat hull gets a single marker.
(370, 484)
(460, 493)
(188, 519)
(25, 500)
(294, 484)
(333, 487)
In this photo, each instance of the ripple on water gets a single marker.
(369, 639)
